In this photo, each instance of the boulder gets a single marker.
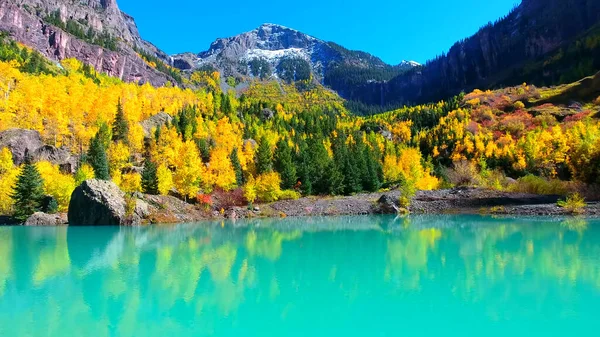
(160, 119)
(43, 219)
(102, 203)
(267, 114)
(58, 156)
(20, 142)
(386, 205)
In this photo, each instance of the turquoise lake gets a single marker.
(348, 276)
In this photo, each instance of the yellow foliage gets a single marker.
(6, 161)
(7, 181)
(190, 170)
(131, 182)
(85, 172)
(118, 155)
(268, 187)
(59, 185)
(250, 190)
(221, 170)
(165, 179)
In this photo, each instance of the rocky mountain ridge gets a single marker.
(275, 46)
(27, 22)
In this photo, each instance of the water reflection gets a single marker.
(211, 279)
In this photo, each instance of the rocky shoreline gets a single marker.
(102, 203)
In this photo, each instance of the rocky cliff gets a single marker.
(26, 21)
(498, 54)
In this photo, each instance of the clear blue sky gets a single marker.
(393, 30)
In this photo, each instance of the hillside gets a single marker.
(538, 42)
(95, 32)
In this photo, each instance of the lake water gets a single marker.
(361, 276)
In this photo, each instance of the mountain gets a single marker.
(96, 32)
(543, 42)
(274, 51)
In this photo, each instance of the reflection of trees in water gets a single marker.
(6, 258)
(203, 273)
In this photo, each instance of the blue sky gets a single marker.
(393, 30)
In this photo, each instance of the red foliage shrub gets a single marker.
(225, 199)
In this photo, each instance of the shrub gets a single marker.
(538, 185)
(519, 105)
(573, 204)
(267, 187)
(289, 195)
(205, 200)
(464, 173)
(597, 101)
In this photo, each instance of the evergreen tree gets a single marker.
(371, 178)
(104, 135)
(28, 193)
(333, 180)
(237, 167)
(264, 157)
(284, 165)
(120, 129)
(149, 178)
(96, 157)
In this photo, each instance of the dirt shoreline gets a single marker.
(441, 202)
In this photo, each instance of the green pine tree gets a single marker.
(284, 165)
(264, 157)
(96, 157)
(120, 129)
(149, 178)
(371, 181)
(237, 167)
(105, 135)
(28, 193)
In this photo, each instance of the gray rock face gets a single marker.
(24, 25)
(160, 119)
(386, 205)
(20, 142)
(102, 203)
(43, 219)
(58, 156)
(274, 43)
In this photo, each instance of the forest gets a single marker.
(282, 141)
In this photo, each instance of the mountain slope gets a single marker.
(93, 31)
(280, 52)
(500, 54)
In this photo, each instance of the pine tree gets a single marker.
(149, 178)
(237, 167)
(284, 165)
(264, 157)
(120, 129)
(371, 181)
(96, 157)
(28, 193)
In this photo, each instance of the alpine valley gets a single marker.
(100, 123)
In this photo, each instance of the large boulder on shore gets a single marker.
(20, 142)
(43, 219)
(102, 203)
